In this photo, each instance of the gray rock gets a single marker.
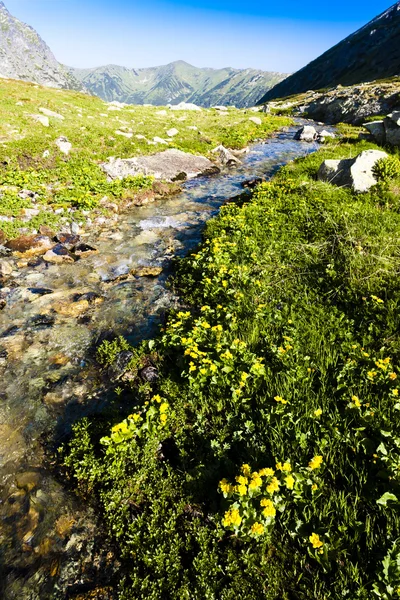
(41, 119)
(256, 120)
(172, 132)
(307, 133)
(170, 165)
(355, 173)
(377, 130)
(395, 117)
(63, 145)
(392, 132)
(51, 113)
(225, 156)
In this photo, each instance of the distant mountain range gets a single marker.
(24, 55)
(178, 82)
(373, 52)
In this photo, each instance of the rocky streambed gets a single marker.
(53, 314)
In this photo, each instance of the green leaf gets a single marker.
(387, 497)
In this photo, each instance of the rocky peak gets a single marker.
(24, 55)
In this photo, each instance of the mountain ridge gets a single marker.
(177, 82)
(370, 53)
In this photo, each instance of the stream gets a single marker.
(51, 546)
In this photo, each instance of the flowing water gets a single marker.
(50, 546)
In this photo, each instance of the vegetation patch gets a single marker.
(263, 459)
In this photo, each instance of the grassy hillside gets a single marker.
(30, 159)
(263, 463)
(371, 53)
(178, 82)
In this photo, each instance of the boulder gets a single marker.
(256, 120)
(377, 130)
(392, 131)
(307, 133)
(170, 165)
(63, 145)
(30, 245)
(356, 173)
(225, 156)
(51, 113)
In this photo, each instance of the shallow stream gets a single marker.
(50, 545)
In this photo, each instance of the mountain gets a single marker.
(177, 82)
(373, 52)
(24, 55)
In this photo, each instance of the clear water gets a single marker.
(48, 379)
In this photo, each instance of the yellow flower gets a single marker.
(377, 300)
(192, 368)
(163, 418)
(255, 482)
(242, 480)
(164, 407)
(280, 399)
(257, 529)
(156, 398)
(225, 486)
(371, 374)
(273, 486)
(241, 490)
(289, 481)
(269, 510)
(266, 472)
(314, 487)
(135, 417)
(246, 470)
(315, 541)
(232, 517)
(393, 376)
(356, 401)
(318, 412)
(395, 392)
(315, 463)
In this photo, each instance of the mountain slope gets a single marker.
(177, 82)
(24, 55)
(373, 52)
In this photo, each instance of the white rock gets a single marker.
(124, 134)
(172, 132)
(41, 119)
(63, 145)
(256, 120)
(184, 106)
(113, 108)
(140, 137)
(159, 140)
(192, 127)
(225, 156)
(308, 133)
(161, 113)
(51, 113)
(46, 153)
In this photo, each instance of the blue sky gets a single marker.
(275, 35)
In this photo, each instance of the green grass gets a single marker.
(287, 351)
(77, 181)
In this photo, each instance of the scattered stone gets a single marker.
(45, 230)
(377, 130)
(161, 113)
(4, 251)
(41, 119)
(356, 173)
(29, 213)
(28, 195)
(149, 374)
(192, 127)
(172, 132)
(40, 291)
(256, 120)
(170, 165)
(159, 140)
(63, 145)
(58, 255)
(252, 183)
(307, 133)
(75, 229)
(322, 135)
(225, 156)
(69, 240)
(30, 245)
(84, 250)
(124, 134)
(219, 107)
(51, 113)
(28, 480)
(46, 154)
(6, 269)
(147, 271)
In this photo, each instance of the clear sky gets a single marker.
(273, 35)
